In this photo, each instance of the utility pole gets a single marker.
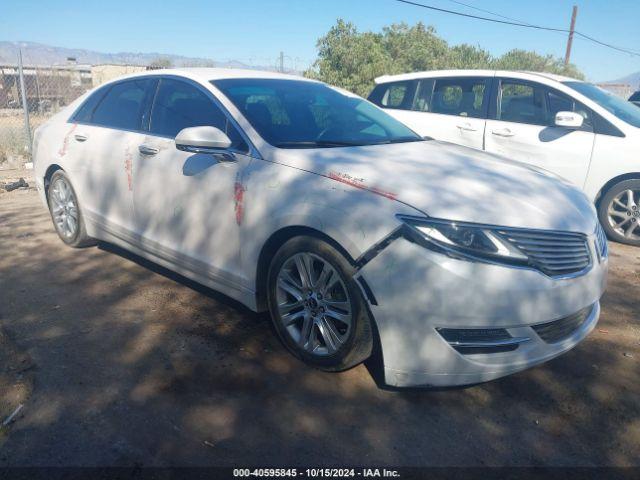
(281, 62)
(567, 56)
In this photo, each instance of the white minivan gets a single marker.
(566, 126)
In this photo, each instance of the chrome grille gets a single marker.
(553, 253)
(558, 330)
(601, 243)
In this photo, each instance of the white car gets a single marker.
(569, 127)
(354, 232)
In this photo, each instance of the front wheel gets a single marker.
(619, 212)
(316, 306)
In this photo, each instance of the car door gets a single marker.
(451, 109)
(189, 207)
(522, 128)
(455, 108)
(108, 136)
(396, 98)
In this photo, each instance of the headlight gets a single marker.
(463, 239)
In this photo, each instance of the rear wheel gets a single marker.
(65, 212)
(619, 212)
(316, 307)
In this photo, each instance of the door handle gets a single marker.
(147, 150)
(503, 132)
(79, 137)
(467, 127)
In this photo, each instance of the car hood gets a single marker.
(453, 182)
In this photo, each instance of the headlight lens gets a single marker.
(465, 239)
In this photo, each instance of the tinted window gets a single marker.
(559, 102)
(635, 97)
(463, 97)
(422, 102)
(536, 104)
(522, 103)
(181, 105)
(625, 111)
(123, 105)
(84, 113)
(302, 114)
(395, 95)
(398, 95)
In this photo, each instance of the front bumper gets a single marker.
(418, 291)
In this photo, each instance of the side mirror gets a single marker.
(569, 120)
(202, 140)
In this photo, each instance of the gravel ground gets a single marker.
(117, 361)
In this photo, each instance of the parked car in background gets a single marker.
(572, 128)
(635, 98)
(352, 231)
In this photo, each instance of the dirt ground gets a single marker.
(118, 362)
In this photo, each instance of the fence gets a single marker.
(46, 91)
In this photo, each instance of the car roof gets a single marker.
(467, 73)
(209, 74)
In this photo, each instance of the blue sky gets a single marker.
(255, 31)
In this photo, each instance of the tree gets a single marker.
(527, 60)
(160, 62)
(352, 60)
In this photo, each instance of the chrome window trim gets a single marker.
(251, 152)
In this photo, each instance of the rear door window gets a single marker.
(422, 102)
(180, 105)
(123, 105)
(463, 97)
(398, 95)
(85, 112)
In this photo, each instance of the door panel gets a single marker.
(108, 161)
(523, 130)
(188, 207)
(449, 109)
(108, 151)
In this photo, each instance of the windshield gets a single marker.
(622, 109)
(302, 114)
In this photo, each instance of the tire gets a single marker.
(619, 212)
(306, 319)
(68, 222)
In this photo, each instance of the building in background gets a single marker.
(623, 90)
(103, 73)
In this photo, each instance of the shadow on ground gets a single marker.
(135, 365)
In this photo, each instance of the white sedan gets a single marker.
(569, 127)
(353, 231)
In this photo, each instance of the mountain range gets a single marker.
(38, 54)
(632, 79)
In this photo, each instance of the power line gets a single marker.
(473, 7)
(519, 24)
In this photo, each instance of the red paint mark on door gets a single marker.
(238, 196)
(128, 165)
(65, 143)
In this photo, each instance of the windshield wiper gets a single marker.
(318, 143)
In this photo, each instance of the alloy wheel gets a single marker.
(64, 208)
(624, 214)
(313, 304)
